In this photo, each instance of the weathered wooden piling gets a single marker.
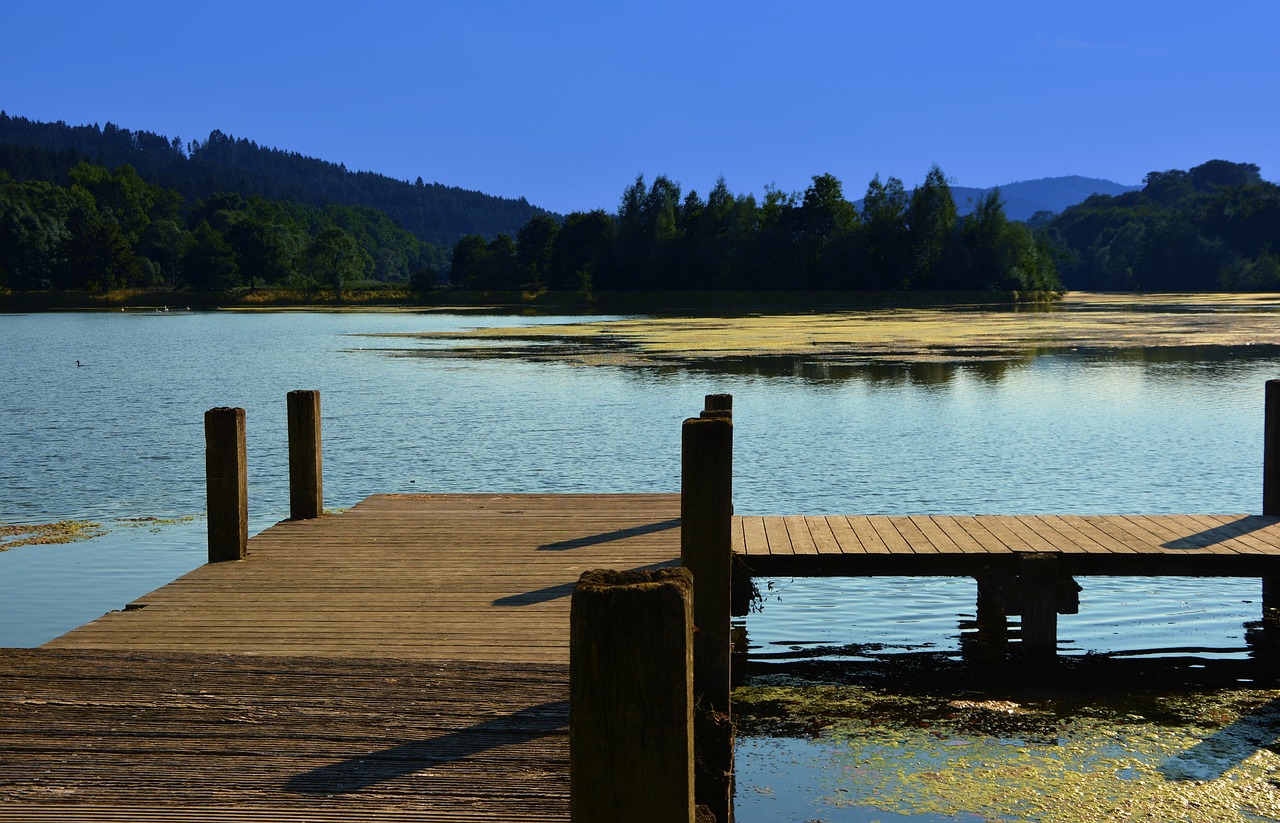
(306, 496)
(1038, 581)
(631, 696)
(226, 484)
(706, 513)
(706, 518)
(1271, 451)
(717, 405)
(1271, 487)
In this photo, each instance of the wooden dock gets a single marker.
(406, 660)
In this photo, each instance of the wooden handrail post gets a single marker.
(306, 496)
(1271, 488)
(226, 484)
(631, 697)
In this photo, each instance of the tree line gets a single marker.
(432, 212)
(663, 239)
(1214, 226)
(110, 229)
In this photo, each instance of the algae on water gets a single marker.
(36, 534)
(73, 531)
(1207, 755)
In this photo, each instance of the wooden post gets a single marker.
(226, 484)
(1271, 487)
(706, 515)
(1038, 581)
(631, 697)
(706, 512)
(305, 477)
(717, 405)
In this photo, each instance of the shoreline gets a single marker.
(515, 302)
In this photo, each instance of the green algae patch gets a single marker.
(960, 333)
(39, 534)
(74, 531)
(1209, 755)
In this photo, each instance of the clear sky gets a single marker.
(565, 102)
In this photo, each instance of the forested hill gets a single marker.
(432, 212)
(1214, 226)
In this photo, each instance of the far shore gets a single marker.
(443, 299)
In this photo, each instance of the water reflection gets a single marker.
(945, 366)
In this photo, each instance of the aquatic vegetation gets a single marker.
(942, 334)
(1208, 755)
(74, 531)
(153, 523)
(38, 534)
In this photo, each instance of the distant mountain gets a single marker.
(435, 213)
(1051, 194)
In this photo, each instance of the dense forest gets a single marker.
(92, 209)
(663, 239)
(1216, 226)
(110, 229)
(434, 213)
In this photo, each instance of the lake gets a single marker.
(118, 440)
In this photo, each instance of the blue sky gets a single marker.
(565, 103)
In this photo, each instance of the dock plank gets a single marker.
(888, 533)
(798, 532)
(775, 529)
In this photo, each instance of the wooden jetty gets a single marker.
(404, 660)
(410, 658)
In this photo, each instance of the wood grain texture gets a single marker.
(434, 577)
(927, 536)
(110, 735)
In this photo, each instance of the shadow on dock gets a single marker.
(609, 537)
(1221, 534)
(366, 771)
(549, 593)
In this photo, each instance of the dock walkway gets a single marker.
(1208, 545)
(411, 577)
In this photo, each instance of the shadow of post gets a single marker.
(367, 770)
(608, 537)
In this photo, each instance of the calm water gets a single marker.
(1083, 432)
(121, 438)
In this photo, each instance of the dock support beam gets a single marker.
(631, 697)
(306, 496)
(1271, 488)
(1038, 580)
(226, 484)
(706, 517)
